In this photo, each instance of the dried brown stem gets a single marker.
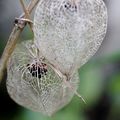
(24, 9)
(27, 16)
(14, 36)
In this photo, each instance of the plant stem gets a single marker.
(27, 16)
(14, 36)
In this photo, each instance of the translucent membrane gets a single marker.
(69, 32)
(32, 83)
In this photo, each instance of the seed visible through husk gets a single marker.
(32, 83)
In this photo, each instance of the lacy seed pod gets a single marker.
(69, 32)
(32, 83)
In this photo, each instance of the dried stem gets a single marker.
(24, 9)
(27, 16)
(14, 36)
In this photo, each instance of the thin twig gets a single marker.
(27, 16)
(24, 9)
(30, 7)
(14, 36)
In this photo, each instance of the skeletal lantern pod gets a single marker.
(69, 32)
(33, 83)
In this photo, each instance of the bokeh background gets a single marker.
(99, 78)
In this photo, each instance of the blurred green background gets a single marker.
(99, 78)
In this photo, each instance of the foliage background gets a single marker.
(99, 78)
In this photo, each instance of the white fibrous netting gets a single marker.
(69, 32)
(32, 83)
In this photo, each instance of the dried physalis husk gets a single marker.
(69, 32)
(32, 83)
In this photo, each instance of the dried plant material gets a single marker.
(69, 32)
(32, 83)
(13, 38)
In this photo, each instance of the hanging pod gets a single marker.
(69, 32)
(34, 84)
